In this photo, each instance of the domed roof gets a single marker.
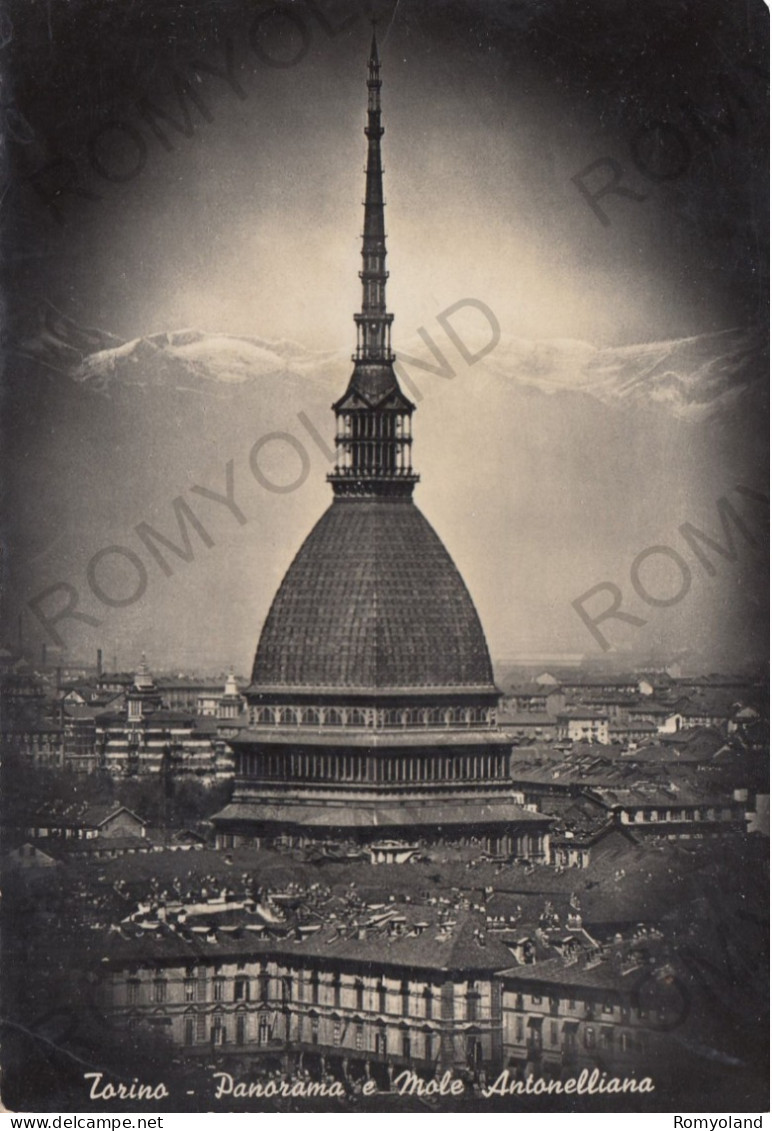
(372, 601)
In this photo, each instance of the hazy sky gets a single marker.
(245, 219)
(250, 224)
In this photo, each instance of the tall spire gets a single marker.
(374, 324)
(374, 435)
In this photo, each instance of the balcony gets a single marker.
(373, 472)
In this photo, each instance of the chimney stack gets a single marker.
(99, 663)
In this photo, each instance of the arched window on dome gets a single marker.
(334, 717)
(287, 716)
(356, 717)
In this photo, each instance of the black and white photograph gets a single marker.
(384, 710)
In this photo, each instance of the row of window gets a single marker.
(369, 426)
(537, 999)
(260, 989)
(603, 1038)
(59, 831)
(712, 814)
(217, 1029)
(195, 990)
(370, 717)
(303, 765)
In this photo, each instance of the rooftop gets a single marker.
(423, 937)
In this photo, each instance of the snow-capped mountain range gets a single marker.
(692, 379)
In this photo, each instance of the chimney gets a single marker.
(99, 663)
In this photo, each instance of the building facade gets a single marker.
(560, 1017)
(260, 1002)
(401, 1015)
(147, 738)
(579, 724)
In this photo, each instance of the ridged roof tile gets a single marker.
(372, 600)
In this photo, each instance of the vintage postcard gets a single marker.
(384, 665)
